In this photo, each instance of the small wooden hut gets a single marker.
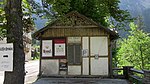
(75, 46)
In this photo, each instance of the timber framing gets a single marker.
(74, 24)
(75, 34)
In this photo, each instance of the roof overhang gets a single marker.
(37, 34)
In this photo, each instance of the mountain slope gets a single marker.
(136, 8)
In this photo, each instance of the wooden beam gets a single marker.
(90, 26)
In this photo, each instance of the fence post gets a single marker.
(146, 79)
(126, 71)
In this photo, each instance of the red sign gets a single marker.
(60, 47)
(57, 41)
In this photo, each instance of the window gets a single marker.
(74, 54)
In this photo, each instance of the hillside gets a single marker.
(136, 8)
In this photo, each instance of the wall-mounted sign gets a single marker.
(46, 48)
(85, 52)
(60, 47)
(6, 57)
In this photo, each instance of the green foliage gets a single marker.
(107, 12)
(27, 9)
(2, 21)
(135, 49)
(27, 21)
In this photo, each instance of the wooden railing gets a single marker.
(118, 73)
(133, 75)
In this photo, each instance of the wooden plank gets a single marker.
(135, 79)
(117, 69)
(40, 72)
(95, 32)
(109, 57)
(62, 32)
(81, 56)
(89, 26)
(89, 56)
(137, 71)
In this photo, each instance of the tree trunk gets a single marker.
(13, 10)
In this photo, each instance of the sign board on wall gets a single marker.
(46, 48)
(60, 47)
(6, 57)
(85, 52)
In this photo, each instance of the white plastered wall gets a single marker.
(85, 64)
(99, 45)
(85, 43)
(85, 58)
(99, 66)
(50, 67)
(28, 45)
(74, 70)
(28, 54)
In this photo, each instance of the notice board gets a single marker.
(6, 57)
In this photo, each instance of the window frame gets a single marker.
(74, 57)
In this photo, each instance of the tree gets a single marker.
(106, 12)
(2, 21)
(134, 50)
(13, 13)
(12, 26)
